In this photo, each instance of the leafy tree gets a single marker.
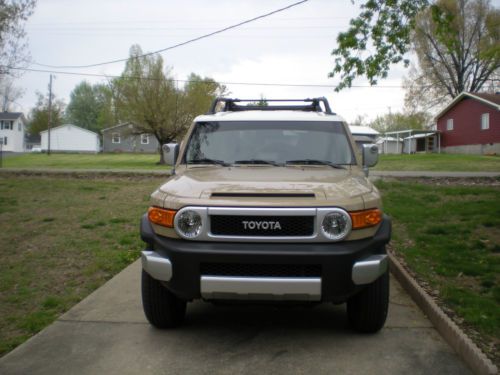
(147, 96)
(400, 121)
(39, 116)
(457, 43)
(13, 51)
(90, 106)
(383, 27)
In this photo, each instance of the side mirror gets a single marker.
(170, 153)
(370, 156)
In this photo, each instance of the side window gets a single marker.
(449, 124)
(485, 121)
(19, 126)
(115, 138)
(144, 139)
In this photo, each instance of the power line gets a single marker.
(188, 81)
(179, 44)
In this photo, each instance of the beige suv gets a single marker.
(267, 203)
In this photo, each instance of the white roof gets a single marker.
(388, 139)
(362, 130)
(269, 116)
(421, 135)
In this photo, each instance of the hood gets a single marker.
(266, 186)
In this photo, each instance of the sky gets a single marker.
(291, 47)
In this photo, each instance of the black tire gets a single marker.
(367, 310)
(162, 308)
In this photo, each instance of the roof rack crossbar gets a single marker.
(231, 104)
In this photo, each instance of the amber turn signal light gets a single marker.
(161, 216)
(366, 218)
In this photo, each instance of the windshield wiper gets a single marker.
(315, 162)
(257, 161)
(209, 161)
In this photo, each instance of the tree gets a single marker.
(147, 95)
(400, 121)
(359, 121)
(9, 93)
(39, 116)
(262, 102)
(457, 43)
(90, 106)
(382, 26)
(13, 51)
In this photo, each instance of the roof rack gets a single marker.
(232, 105)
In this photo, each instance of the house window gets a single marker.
(6, 125)
(144, 139)
(19, 126)
(485, 121)
(115, 138)
(3, 141)
(449, 124)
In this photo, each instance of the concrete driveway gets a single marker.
(107, 334)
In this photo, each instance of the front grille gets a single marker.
(289, 226)
(261, 270)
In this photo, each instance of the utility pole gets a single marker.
(50, 113)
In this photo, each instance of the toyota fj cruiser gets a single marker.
(267, 203)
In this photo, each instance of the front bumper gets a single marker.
(345, 267)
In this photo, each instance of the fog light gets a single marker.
(188, 224)
(336, 225)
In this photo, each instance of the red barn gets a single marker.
(470, 124)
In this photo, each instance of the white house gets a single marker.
(70, 138)
(390, 145)
(12, 131)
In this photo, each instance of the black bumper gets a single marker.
(335, 259)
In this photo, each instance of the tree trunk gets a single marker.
(160, 150)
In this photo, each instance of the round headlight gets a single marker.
(188, 224)
(336, 225)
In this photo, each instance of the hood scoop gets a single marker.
(263, 195)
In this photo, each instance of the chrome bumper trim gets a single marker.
(369, 269)
(261, 288)
(158, 267)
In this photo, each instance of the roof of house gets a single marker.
(10, 115)
(116, 126)
(362, 130)
(69, 125)
(424, 135)
(488, 99)
(388, 139)
(362, 138)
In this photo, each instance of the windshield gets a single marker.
(269, 142)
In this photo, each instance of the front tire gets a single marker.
(162, 308)
(367, 310)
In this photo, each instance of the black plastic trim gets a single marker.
(336, 259)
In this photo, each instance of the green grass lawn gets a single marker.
(61, 239)
(416, 162)
(84, 161)
(450, 237)
(439, 162)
